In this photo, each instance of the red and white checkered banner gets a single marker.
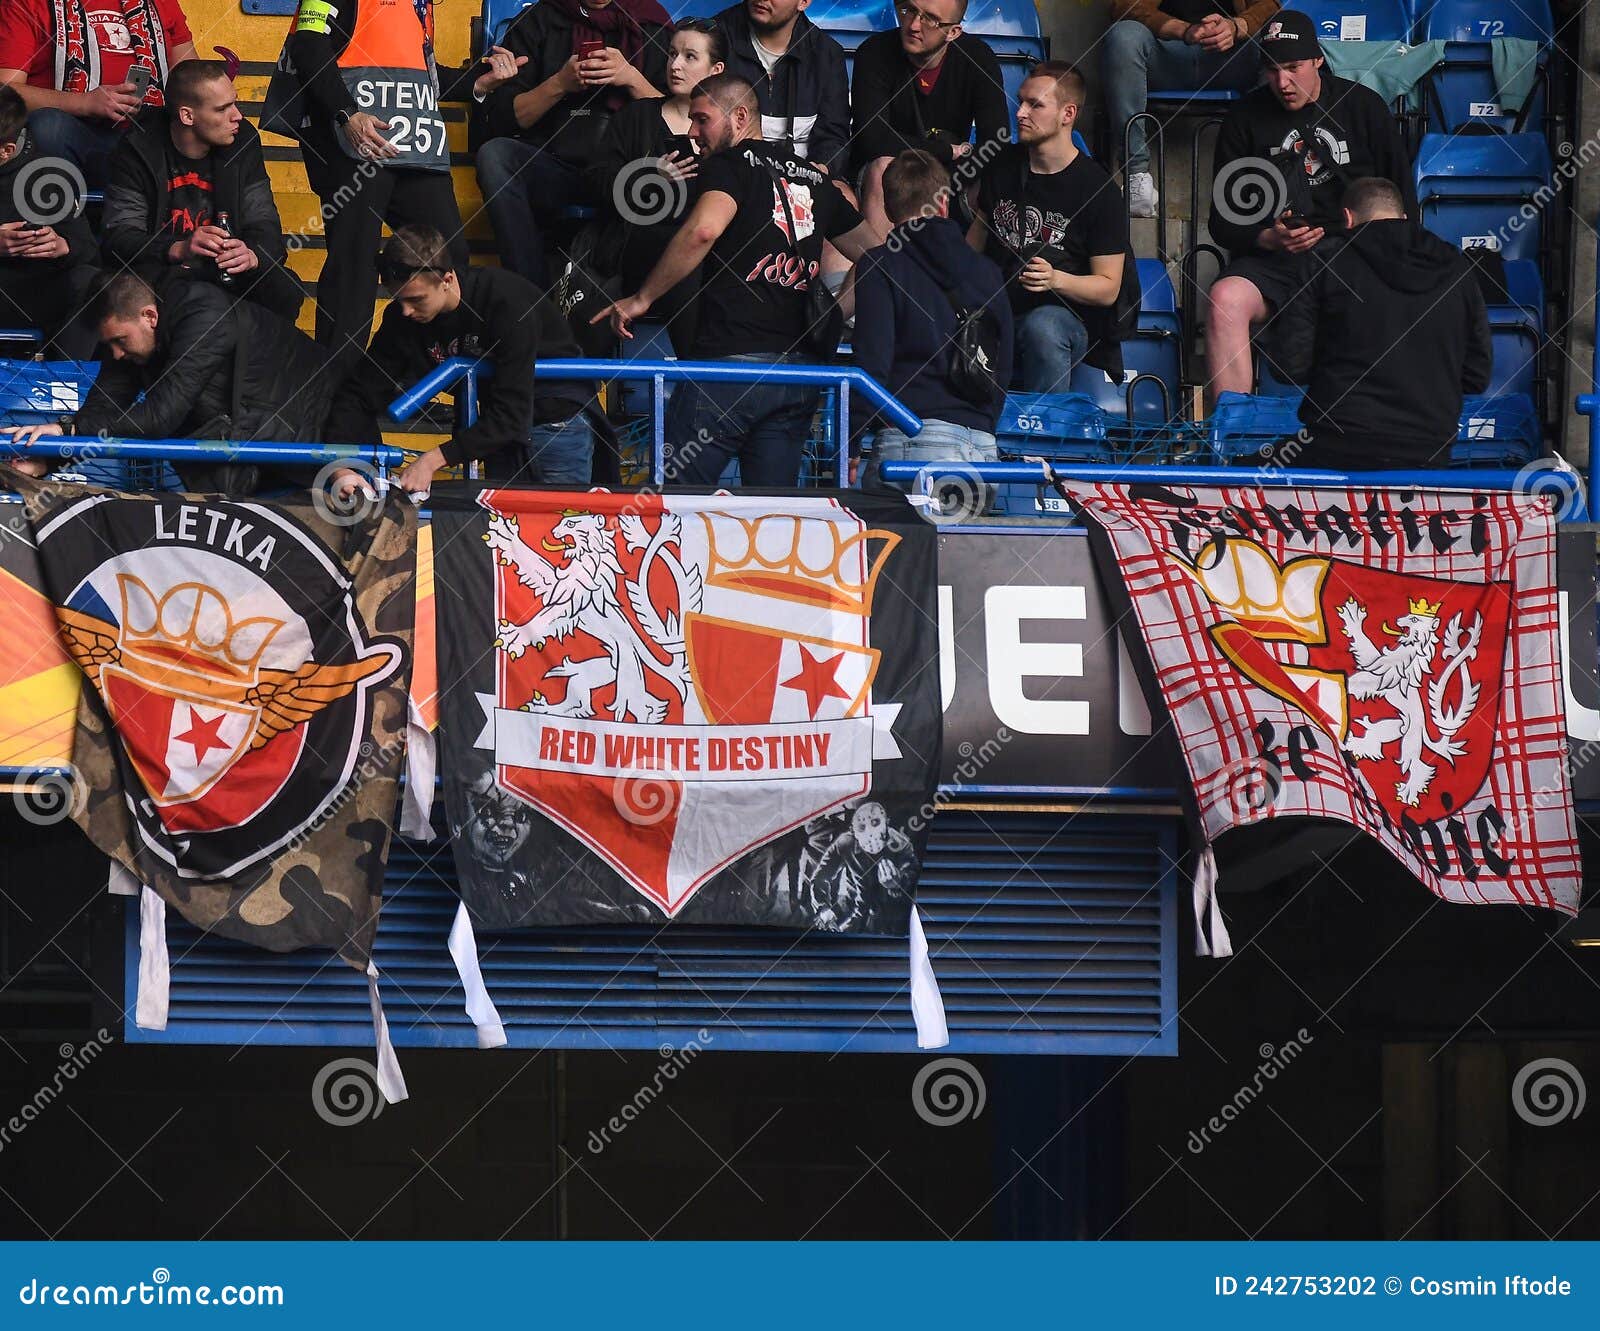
(1386, 658)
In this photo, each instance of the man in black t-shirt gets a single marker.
(1284, 157)
(1055, 222)
(754, 285)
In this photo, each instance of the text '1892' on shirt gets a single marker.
(755, 279)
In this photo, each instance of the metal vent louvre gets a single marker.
(1050, 933)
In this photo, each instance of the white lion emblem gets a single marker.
(800, 204)
(579, 592)
(1396, 674)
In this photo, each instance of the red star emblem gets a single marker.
(204, 735)
(818, 679)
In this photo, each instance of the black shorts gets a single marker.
(1278, 277)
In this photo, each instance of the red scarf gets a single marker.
(619, 24)
(78, 49)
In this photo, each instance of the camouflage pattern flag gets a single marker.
(1387, 658)
(239, 747)
(689, 708)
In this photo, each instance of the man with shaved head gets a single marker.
(755, 232)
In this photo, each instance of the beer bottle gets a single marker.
(226, 279)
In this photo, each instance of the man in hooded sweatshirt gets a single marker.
(1391, 332)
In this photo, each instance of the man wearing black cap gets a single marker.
(1284, 156)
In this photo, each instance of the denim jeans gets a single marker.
(562, 452)
(763, 425)
(1051, 340)
(525, 190)
(88, 144)
(1134, 60)
(940, 441)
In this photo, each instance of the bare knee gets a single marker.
(1235, 303)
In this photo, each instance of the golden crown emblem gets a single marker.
(189, 633)
(812, 560)
(1277, 604)
(1419, 605)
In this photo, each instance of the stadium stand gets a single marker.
(1484, 190)
(1464, 89)
(1358, 20)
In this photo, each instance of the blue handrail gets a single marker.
(1588, 404)
(77, 447)
(659, 372)
(1038, 473)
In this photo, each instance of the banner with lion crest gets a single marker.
(1387, 658)
(714, 709)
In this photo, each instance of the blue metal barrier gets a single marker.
(1588, 404)
(72, 447)
(843, 378)
(1038, 473)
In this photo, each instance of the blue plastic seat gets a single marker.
(42, 392)
(1479, 190)
(1358, 20)
(1244, 427)
(1517, 331)
(1497, 431)
(1464, 86)
(1070, 427)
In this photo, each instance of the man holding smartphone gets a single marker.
(83, 90)
(1284, 156)
(580, 63)
(45, 271)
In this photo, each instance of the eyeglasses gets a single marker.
(911, 12)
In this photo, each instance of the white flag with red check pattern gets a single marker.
(1387, 658)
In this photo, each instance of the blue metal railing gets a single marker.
(659, 373)
(1588, 404)
(1039, 473)
(77, 447)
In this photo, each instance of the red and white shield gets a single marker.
(681, 680)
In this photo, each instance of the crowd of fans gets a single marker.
(735, 185)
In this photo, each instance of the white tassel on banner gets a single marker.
(120, 882)
(1210, 932)
(155, 968)
(422, 763)
(927, 1003)
(391, 1083)
(480, 1007)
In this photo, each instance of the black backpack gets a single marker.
(974, 353)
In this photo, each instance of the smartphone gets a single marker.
(1293, 220)
(589, 48)
(140, 76)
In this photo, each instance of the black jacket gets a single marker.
(81, 248)
(544, 34)
(1346, 133)
(886, 103)
(904, 322)
(222, 369)
(132, 225)
(635, 133)
(501, 316)
(808, 87)
(1388, 335)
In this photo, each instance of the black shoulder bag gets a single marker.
(824, 318)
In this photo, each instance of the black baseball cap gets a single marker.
(1289, 36)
